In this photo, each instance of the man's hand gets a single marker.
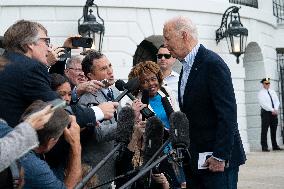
(68, 42)
(89, 86)
(108, 109)
(38, 119)
(214, 165)
(161, 179)
(274, 112)
(53, 55)
(74, 168)
(72, 134)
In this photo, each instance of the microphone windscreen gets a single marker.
(145, 96)
(154, 133)
(167, 106)
(125, 124)
(119, 84)
(179, 130)
(132, 84)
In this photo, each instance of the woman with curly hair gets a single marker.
(151, 80)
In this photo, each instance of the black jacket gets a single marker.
(210, 106)
(23, 81)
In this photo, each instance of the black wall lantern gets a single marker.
(88, 26)
(234, 32)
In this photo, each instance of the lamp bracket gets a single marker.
(231, 12)
(88, 5)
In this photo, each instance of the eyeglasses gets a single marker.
(167, 56)
(46, 40)
(78, 70)
(267, 83)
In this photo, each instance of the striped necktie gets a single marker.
(110, 94)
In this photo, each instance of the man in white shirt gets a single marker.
(166, 63)
(269, 104)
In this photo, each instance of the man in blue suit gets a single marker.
(206, 96)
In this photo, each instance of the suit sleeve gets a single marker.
(105, 131)
(85, 117)
(37, 84)
(16, 143)
(224, 102)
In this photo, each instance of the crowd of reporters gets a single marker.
(47, 143)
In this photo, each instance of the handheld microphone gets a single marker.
(145, 96)
(127, 88)
(125, 125)
(167, 106)
(145, 99)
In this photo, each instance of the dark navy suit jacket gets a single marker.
(210, 105)
(23, 81)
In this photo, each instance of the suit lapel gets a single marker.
(194, 70)
(100, 97)
(180, 76)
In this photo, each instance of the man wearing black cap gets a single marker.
(269, 104)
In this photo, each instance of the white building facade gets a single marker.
(128, 23)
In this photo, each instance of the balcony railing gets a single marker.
(278, 10)
(249, 3)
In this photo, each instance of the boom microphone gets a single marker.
(179, 137)
(154, 133)
(127, 88)
(179, 130)
(125, 125)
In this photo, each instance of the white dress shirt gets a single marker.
(265, 101)
(171, 81)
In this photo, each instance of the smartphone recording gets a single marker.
(85, 42)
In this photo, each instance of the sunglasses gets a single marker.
(167, 56)
(266, 83)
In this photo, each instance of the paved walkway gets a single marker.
(263, 170)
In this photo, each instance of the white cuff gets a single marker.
(218, 159)
(99, 113)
